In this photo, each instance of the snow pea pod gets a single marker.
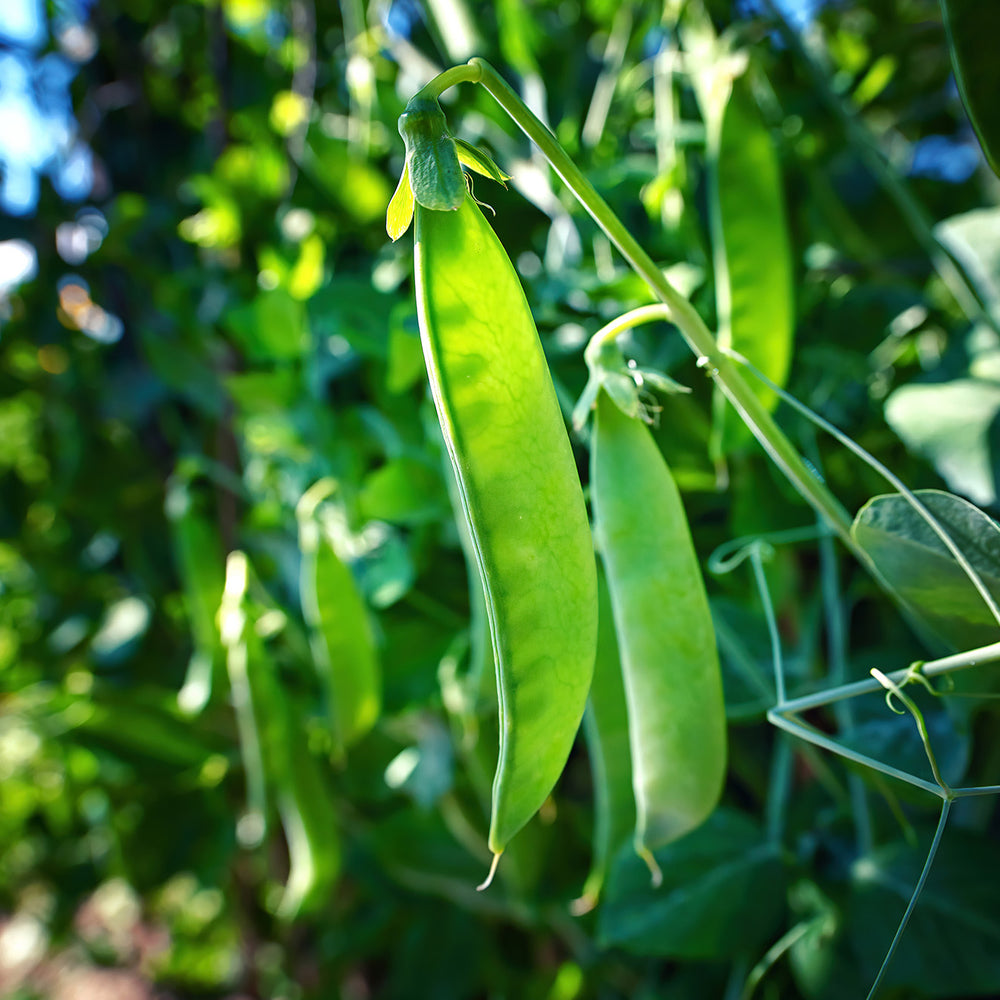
(605, 727)
(521, 497)
(340, 634)
(670, 665)
(752, 258)
(201, 565)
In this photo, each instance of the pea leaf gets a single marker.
(951, 424)
(722, 894)
(972, 32)
(403, 491)
(954, 933)
(929, 582)
(974, 238)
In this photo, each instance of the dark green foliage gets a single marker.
(972, 29)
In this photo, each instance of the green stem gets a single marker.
(684, 315)
(786, 941)
(634, 317)
(781, 718)
(917, 890)
(931, 668)
(470, 73)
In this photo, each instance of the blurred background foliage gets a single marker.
(201, 319)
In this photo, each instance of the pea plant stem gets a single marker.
(945, 665)
(683, 314)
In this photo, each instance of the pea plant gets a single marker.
(631, 649)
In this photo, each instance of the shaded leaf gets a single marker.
(973, 28)
(915, 563)
(722, 894)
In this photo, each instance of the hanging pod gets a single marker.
(669, 662)
(518, 485)
(340, 633)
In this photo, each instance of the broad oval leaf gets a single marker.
(929, 582)
(722, 894)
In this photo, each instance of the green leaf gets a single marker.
(405, 362)
(973, 29)
(722, 894)
(142, 725)
(403, 491)
(399, 215)
(974, 238)
(821, 960)
(895, 740)
(915, 563)
(954, 934)
(275, 391)
(357, 188)
(951, 424)
(272, 327)
(479, 161)
(424, 770)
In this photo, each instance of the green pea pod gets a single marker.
(279, 767)
(253, 718)
(296, 785)
(201, 564)
(481, 676)
(670, 666)
(521, 497)
(605, 727)
(309, 821)
(340, 634)
(751, 251)
(973, 28)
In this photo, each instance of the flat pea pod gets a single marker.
(752, 257)
(973, 28)
(670, 666)
(279, 766)
(521, 497)
(306, 806)
(605, 727)
(340, 633)
(201, 565)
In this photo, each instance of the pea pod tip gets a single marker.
(656, 874)
(488, 881)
